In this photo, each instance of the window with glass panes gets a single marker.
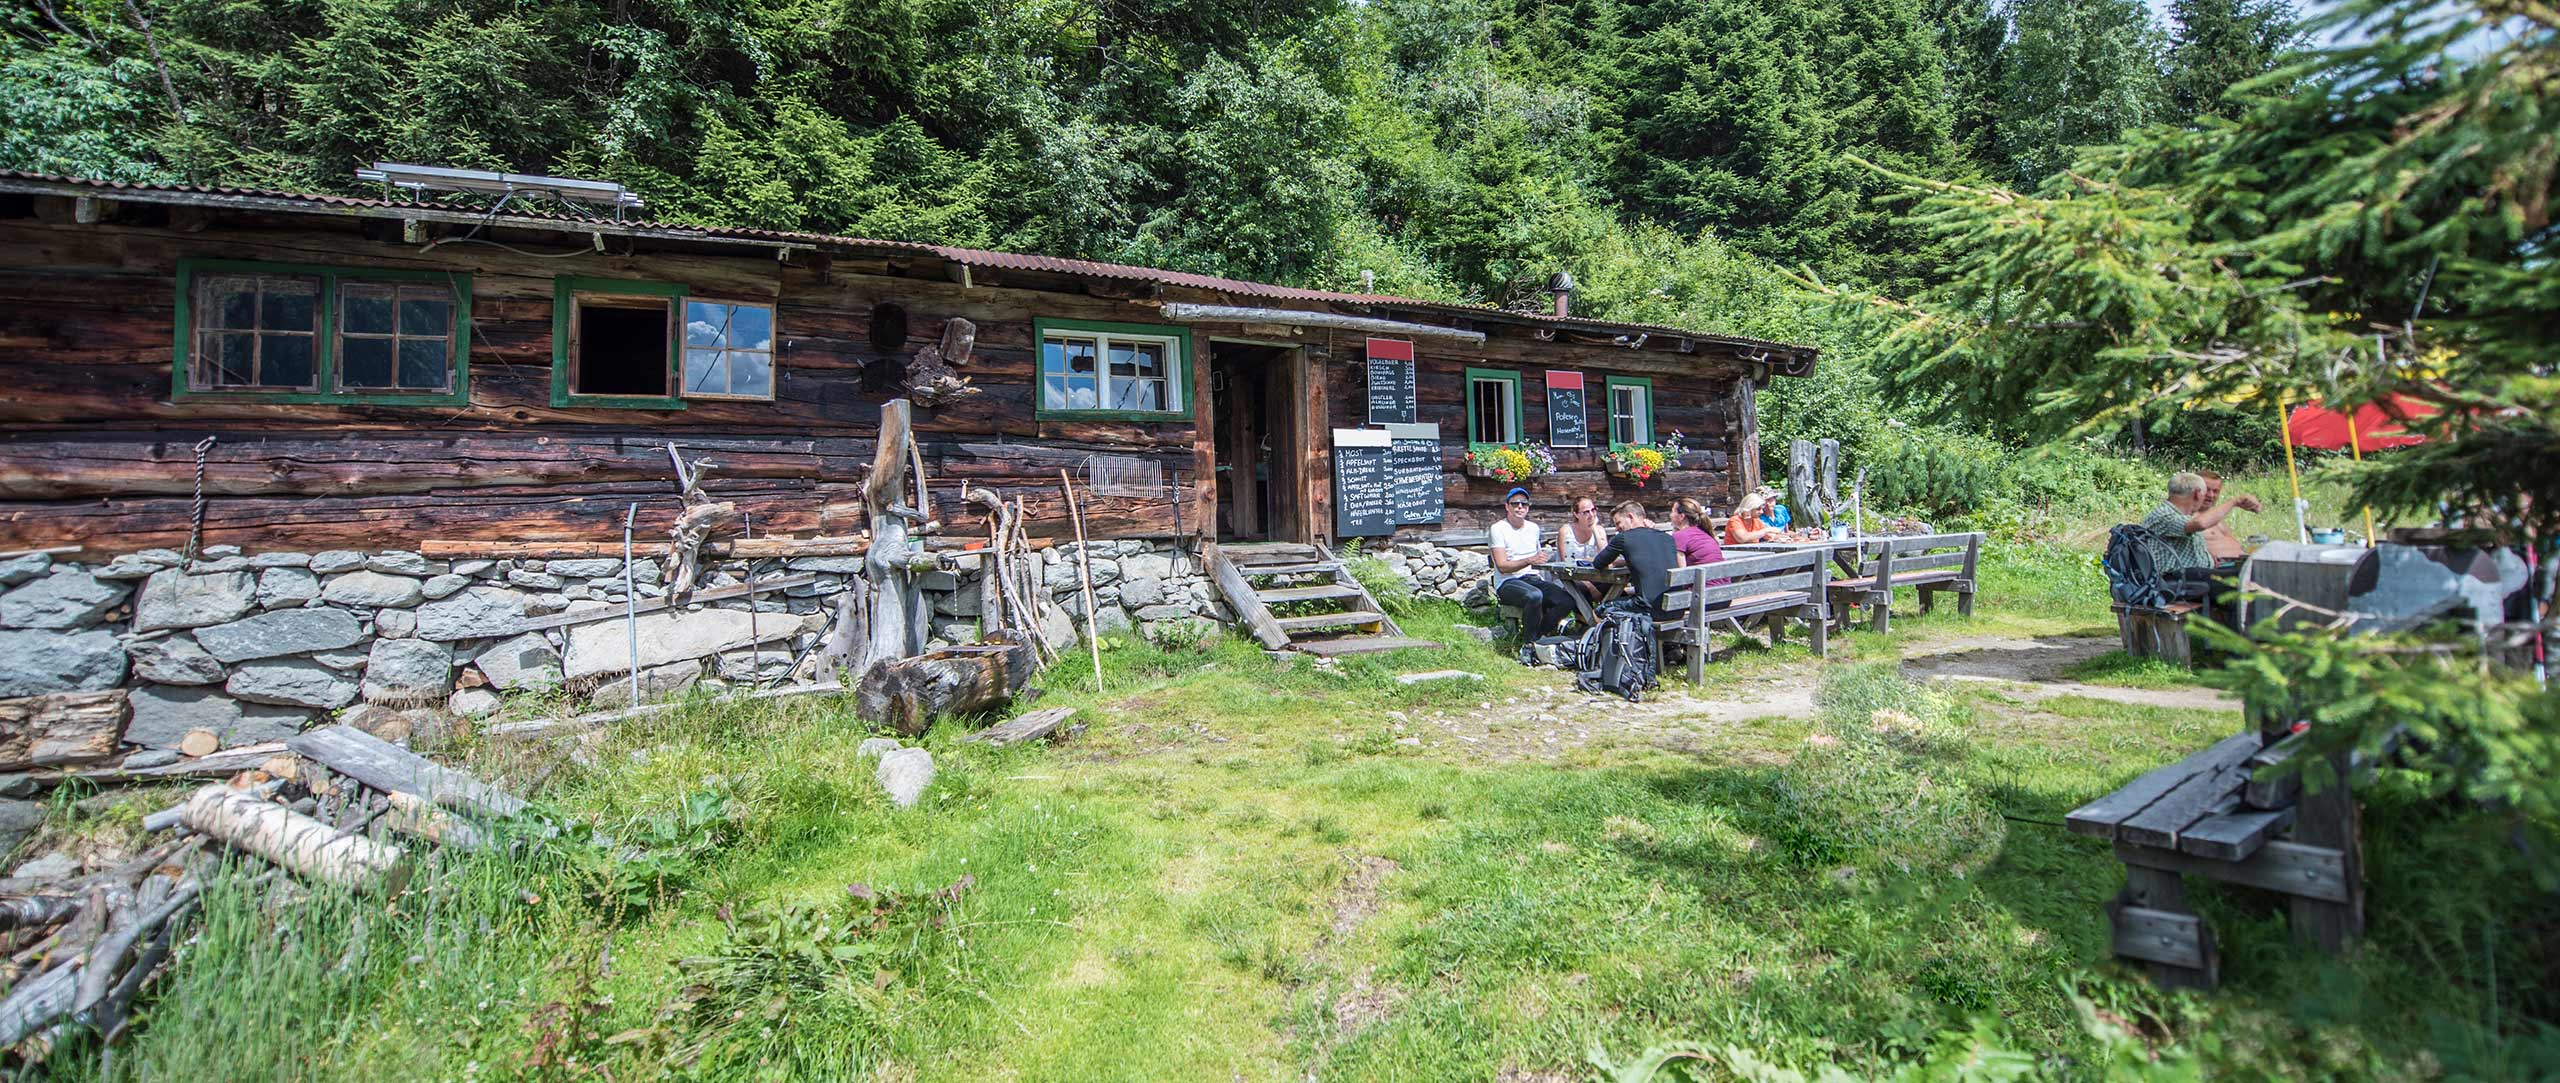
(394, 337)
(728, 350)
(1091, 368)
(1630, 410)
(292, 333)
(257, 332)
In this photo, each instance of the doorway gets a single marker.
(1258, 401)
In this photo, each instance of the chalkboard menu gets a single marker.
(1393, 399)
(1363, 474)
(1413, 486)
(1385, 478)
(1568, 420)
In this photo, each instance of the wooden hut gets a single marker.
(304, 371)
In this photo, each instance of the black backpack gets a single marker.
(2132, 577)
(1616, 655)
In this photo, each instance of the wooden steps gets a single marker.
(1361, 645)
(1331, 615)
(1274, 596)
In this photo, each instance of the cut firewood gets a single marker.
(392, 769)
(198, 744)
(909, 693)
(297, 842)
(62, 728)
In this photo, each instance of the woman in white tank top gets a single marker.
(1582, 537)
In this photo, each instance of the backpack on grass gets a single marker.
(1616, 655)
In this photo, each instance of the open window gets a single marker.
(614, 343)
(1136, 372)
(303, 334)
(1493, 406)
(1630, 410)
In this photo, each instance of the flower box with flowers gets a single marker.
(1510, 464)
(1642, 463)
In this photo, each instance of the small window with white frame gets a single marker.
(728, 350)
(1125, 370)
(1630, 410)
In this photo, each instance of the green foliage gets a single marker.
(1980, 1053)
(1873, 790)
(657, 856)
(62, 112)
(2220, 44)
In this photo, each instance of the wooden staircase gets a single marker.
(1329, 612)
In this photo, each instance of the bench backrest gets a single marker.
(1757, 573)
(1887, 558)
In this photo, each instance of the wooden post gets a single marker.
(897, 618)
(2152, 922)
(1084, 575)
(2329, 819)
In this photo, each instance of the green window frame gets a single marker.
(327, 281)
(1177, 379)
(1510, 379)
(1642, 427)
(566, 295)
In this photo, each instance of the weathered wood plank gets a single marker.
(2160, 936)
(2233, 835)
(388, 767)
(2312, 872)
(60, 729)
(2100, 817)
(1030, 727)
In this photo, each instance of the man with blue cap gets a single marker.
(1516, 555)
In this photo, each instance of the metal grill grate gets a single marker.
(1123, 475)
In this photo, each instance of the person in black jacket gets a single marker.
(1649, 553)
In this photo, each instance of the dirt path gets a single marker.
(1551, 721)
(2032, 669)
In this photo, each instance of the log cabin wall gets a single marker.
(94, 451)
(1694, 394)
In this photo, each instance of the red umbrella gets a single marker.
(2379, 424)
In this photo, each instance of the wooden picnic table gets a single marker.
(1591, 587)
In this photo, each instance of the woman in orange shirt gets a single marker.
(1744, 527)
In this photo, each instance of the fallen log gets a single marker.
(414, 816)
(1029, 727)
(38, 1001)
(909, 693)
(61, 728)
(297, 842)
(390, 768)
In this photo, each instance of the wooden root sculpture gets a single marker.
(931, 378)
(703, 520)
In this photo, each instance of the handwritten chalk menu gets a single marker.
(1413, 485)
(1393, 398)
(1568, 422)
(1363, 477)
(1385, 478)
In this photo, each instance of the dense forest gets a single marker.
(1681, 157)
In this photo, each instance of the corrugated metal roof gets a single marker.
(972, 257)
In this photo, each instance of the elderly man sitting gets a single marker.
(2177, 529)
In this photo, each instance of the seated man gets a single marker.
(1516, 555)
(2177, 529)
(2219, 539)
(1649, 553)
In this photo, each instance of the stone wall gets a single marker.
(254, 647)
(1439, 571)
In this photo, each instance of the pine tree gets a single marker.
(2078, 72)
(2216, 44)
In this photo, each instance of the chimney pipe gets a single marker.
(1561, 284)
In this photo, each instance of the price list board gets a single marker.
(1394, 397)
(1568, 417)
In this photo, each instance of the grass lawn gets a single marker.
(1245, 869)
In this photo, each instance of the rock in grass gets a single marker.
(905, 773)
(876, 746)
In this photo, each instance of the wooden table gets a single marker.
(1590, 588)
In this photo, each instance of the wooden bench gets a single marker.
(1774, 587)
(1927, 562)
(2210, 815)
(2156, 631)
